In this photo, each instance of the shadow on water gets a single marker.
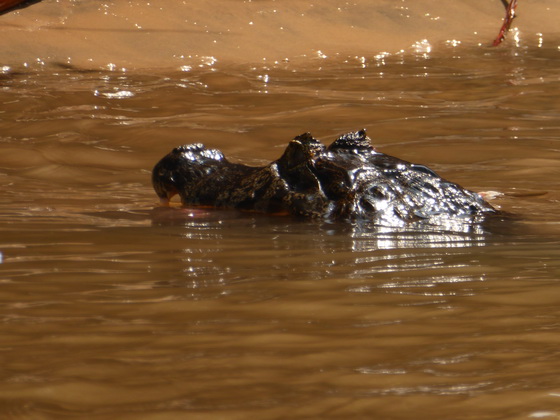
(317, 249)
(420, 234)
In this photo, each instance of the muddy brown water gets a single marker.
(111, 307)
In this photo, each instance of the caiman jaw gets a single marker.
(169, 194)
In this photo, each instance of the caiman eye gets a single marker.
(424, 169)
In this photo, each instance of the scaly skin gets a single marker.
(348, 180)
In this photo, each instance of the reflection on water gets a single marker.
(114, 308)
(169, 34)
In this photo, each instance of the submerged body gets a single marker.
(347, 180)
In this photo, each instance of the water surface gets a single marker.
(114, 308)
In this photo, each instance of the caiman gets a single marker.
(348, 180)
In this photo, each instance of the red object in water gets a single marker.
(510, 15)
(7, 4)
